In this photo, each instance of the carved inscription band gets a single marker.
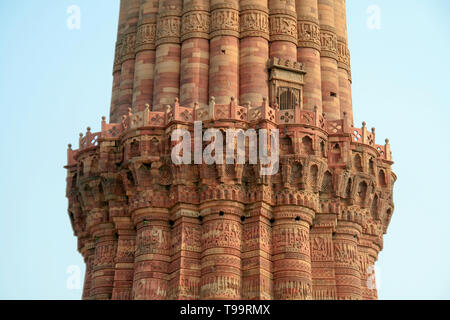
(225, 19)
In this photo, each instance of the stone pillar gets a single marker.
(291, 253)
(88, 252)
(186, 252)
(283, 29)
(254, 52)
(124, 264)
(144, 69)
(322, 257)
(346, 259)
(105, 249)
(370, 284)
(367, 264)
(118, 61)
(128, 59)
(257, 278)
(329, 65)
(168, 51)
(345, 97)
(152, 256)
(195, 52)
(308, 53)
(124, 261)
(221, 250)
(370, 245)
(224, 50)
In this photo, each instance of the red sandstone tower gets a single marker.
(149, 229)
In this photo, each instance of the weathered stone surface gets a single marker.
(150, 229)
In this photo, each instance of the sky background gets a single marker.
(54, 82)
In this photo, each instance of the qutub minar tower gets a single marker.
(150, 229)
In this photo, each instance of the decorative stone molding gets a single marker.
(343, 54)
(118, 56)
(128, 46)
(285, 64)
(168, 29)
(224, 20)
(283, 26)
(308, 33)
(195, 24)
(328, 41)
(254, 22)
(146, 36)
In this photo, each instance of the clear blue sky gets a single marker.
(54, 82)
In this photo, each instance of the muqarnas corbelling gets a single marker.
(149, 229)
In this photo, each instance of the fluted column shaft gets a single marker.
(254, 51)
(186, 251)
(117, 69)
(168, 54)
(88, 252)
(194, 77)
(144, 70)
(124, 260)
(152, 257)
(368, 254)
(291, 253)
(283, 29)
(224, 50)
(124, 264)
(128, 55)
(345, 96)
(329, 65)
(322, 257)
(221, 251)
(346, 259)
(257, 279)
(103, 267)
(308, 52)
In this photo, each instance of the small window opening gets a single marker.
(288, 98)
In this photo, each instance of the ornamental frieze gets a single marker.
(146, 35)
(118, 56)
(324, 294)
(254, 23)
(228, 286)
(195, 24)
(256, 236)
(343, 55)
(309, 35)
(153, 289)
(222, 234)
(256, 286)
(125, 250)
(328, 40)
(153, 240)
(291, 239)
(292, 289)
(321, 249)
(187, 287)
(221, 259)
(128, 46)
(225, 22)
(104, 255)
(186, 237)
(168, 30)
(283, 28)
(345, 253)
